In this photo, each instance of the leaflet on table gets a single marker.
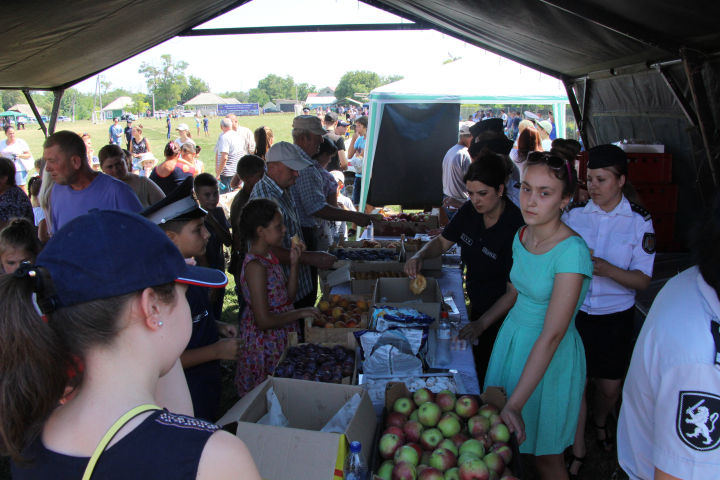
(339, 276)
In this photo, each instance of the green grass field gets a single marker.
(156, 132)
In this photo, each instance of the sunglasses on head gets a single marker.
(553, 161)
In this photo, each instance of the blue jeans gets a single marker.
(357, 187)
(225, 184)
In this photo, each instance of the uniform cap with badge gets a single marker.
(603, 156)
(180, 204)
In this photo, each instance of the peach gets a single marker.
(362, 304)
(340, 325)
(357, 317)
(323, 306)
(335, 298)
(319, 323)
(337, 311)
(332, 305)
(343, 303)
(351, 324)
(357, 310)
(329, 325)
(344, 317)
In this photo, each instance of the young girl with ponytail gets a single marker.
(115, 329)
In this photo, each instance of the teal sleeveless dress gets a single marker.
(551, 413)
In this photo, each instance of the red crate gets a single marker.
(643, 168)
(662, 198)
(664, 225)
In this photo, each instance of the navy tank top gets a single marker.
(163, 446)
(204, 380)
(179, 173)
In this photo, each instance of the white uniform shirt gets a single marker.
(671, 400)
(618, 238)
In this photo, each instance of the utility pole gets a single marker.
(73, 108)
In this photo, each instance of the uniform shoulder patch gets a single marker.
(577, 205)
(649, 244)
(640, 211)
(697, 414)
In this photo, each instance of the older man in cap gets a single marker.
(283, 167)
(455, 165)
(308, 194)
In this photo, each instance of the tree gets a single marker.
(277, 87)
(195, 87)
(140, 103)
(360, 81)
(302, 91)
(258, 95)
(11, 97)
(167, 82)
(390, 79)
(241, 97)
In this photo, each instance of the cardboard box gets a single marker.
(336, 335)
(492, 395)
(341, 263)
(395, 229)
(397, 292)
(301, 451)
(352, 379)
(368, 286)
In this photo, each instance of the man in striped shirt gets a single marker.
(283, 165)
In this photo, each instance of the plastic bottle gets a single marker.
(356, 468)
(444, 334)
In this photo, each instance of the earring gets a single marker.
(160, 324)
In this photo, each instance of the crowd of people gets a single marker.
(103, 268)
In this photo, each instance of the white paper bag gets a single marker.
(340, 422)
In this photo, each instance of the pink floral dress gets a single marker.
(263, 348)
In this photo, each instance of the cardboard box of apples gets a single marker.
(427, 436)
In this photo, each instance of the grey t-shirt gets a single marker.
(455, 165)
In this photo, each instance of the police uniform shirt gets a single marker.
(671, 400)
(487, 252)
(204, 380)
(623, 237)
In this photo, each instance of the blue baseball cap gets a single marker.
(88, 258)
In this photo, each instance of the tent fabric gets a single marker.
(493, 80)
(50, 44)
(12, 114)
(535, 32)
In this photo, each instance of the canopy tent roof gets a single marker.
(492, 80)
(54, 53)
(209, 99)
(269, 105)
(118, 104)
(12, 114)
(320, 100)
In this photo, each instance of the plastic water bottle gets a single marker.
(356, 468)
(442, 348)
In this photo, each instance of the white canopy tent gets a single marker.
(491, 80)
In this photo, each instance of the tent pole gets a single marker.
(694, 63)
(679, 96)
(38, 117)
(57, 94)
(574, 104)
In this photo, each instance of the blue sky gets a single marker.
(237, 62)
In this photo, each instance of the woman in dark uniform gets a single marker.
(484, 228)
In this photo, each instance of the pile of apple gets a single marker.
(339, 312)
(431, 437)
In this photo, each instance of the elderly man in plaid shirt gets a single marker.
(283, 164)
(307, 192)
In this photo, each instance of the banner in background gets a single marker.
(239, 109)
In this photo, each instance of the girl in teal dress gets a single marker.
(538, 355)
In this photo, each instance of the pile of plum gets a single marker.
(368, 255)
(309, 361)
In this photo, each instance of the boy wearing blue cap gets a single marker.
(182, 220)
